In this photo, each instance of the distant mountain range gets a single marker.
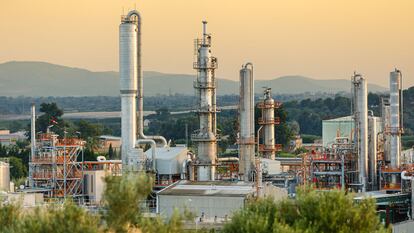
(45, 79)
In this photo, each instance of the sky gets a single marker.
(322, 39)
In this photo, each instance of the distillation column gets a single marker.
(395, 123)
(361, 126)
(128, 88)
(268, 121)
(373, 152)
(246, 138)
(205, 85)
(32, 143)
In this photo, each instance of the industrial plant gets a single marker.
(360, 153)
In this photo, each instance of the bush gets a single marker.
(310, 212)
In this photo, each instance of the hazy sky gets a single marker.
(322, 39)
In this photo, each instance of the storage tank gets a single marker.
(246, 138)
(4, 176)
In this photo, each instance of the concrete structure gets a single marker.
(246, 139)
(8, 139)
(26, 198)
(271, 167)
(207, 200)
(337, 127)
(205, 85)
(94, 185)
(403, 227)
(360, 101)
(105, 141)
(4, 176)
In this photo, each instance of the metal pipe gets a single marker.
(33, 142)
(184, 168)
(153, 147)
(140, 93)
(228, 159)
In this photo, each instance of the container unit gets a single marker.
(205, 86)
(246, 139)
(268, 120)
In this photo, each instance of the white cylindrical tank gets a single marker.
(361, 118)
(4, 176)
(247, 138)
(128, 86)
(395, 127)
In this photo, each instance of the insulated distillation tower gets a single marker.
(205, 85)
(131, 88)
(246, 139)
(395, 120)
(360, 110)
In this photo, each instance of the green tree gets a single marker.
(310, 212)
(111, 154)
(17, 168)
(51, 117)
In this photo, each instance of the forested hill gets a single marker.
(310, 113)
(45, 79)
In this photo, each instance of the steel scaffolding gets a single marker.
(55, 166)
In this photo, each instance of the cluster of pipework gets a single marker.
(268, 121)
(205, 85)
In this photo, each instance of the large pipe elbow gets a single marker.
(248, 64)
(134, 13)
(161, 139)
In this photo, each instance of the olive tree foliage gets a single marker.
(310, 212)
(121, 213)
(123, 201)
(54, 218)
